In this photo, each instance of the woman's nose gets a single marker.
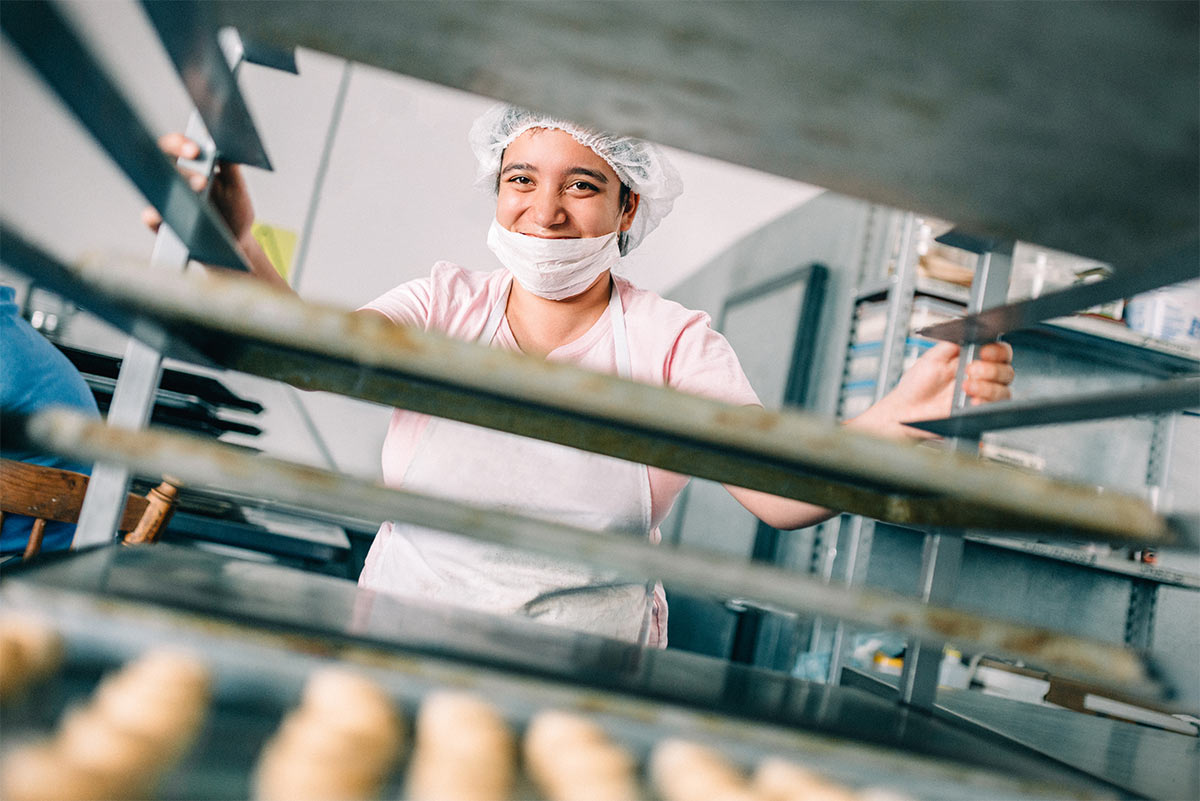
(547, 209)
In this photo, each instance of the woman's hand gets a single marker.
(228, 193)
(926, 390)
(232, 200)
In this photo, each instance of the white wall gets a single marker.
(397, 196)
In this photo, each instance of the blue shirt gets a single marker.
(35, 375)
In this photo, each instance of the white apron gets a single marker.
(496, 469)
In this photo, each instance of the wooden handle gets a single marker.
(35, 540)
(160, 506)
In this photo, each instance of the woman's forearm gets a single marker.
(787, 514)
(784, 514)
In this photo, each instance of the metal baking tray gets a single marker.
(263, 628)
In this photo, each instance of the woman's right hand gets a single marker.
(229, 193)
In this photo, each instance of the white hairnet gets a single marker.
(641, 165)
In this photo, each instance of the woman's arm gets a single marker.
(924, 392)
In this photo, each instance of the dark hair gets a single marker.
(623, 237)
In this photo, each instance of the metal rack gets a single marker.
(1102, 341)
(270, 628)
(205, 319)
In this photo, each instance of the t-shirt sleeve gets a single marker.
(409, 303)
(702, 362)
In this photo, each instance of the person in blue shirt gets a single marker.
(35, 375)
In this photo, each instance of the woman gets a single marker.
(569, 203)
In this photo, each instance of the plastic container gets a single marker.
(914, 348)
(857, 397)
(1171, 313)
(864, 358)
(871, 318)
(863, 363)
(931, 311)
(870, 321)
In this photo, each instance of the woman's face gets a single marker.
(555, 188)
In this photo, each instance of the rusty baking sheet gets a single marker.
(195, 461)
(261, 653)
(1070, 125)
(246, 326)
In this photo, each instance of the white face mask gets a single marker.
(553, 268)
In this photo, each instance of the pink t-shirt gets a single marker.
(668, 345)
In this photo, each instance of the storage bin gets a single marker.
(863, 361)
(857, 398)
(931, 311)
(871, 318)
(870, 321)
(1171, 313)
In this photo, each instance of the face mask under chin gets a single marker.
(554, 269)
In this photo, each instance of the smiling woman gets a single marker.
(570, 203)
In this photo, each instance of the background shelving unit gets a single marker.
(1073, 352)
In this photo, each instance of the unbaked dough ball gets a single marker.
(285, 774)
(551, 729)
(14, 671)
(445, 717)
(118, 745)
(881, 794)
(686, 771)
(571, 758)
(780, 780)
(87, 739)
(171, 668)
(162, 697)
(356, 708)
(340, 743)
(37, 639)
(30, 650)
(464, 750)
(40, 772)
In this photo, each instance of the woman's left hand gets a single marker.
(926, 390)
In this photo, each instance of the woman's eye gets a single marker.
(584, 186)
(520, 179)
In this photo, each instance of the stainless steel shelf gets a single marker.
(190, 39)
(719, 78)
(1144, 761)
(1108, 340)
(1103, 339)
(1110, 564)
(196, 462)
(1130, 280)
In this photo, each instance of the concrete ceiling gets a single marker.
(1074, 125)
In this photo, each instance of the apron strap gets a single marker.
(616, 314)
(493, 321)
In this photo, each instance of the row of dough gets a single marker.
(345, 736)
(346, 739)
(118, 744)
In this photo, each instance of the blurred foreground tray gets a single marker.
(263, 628)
